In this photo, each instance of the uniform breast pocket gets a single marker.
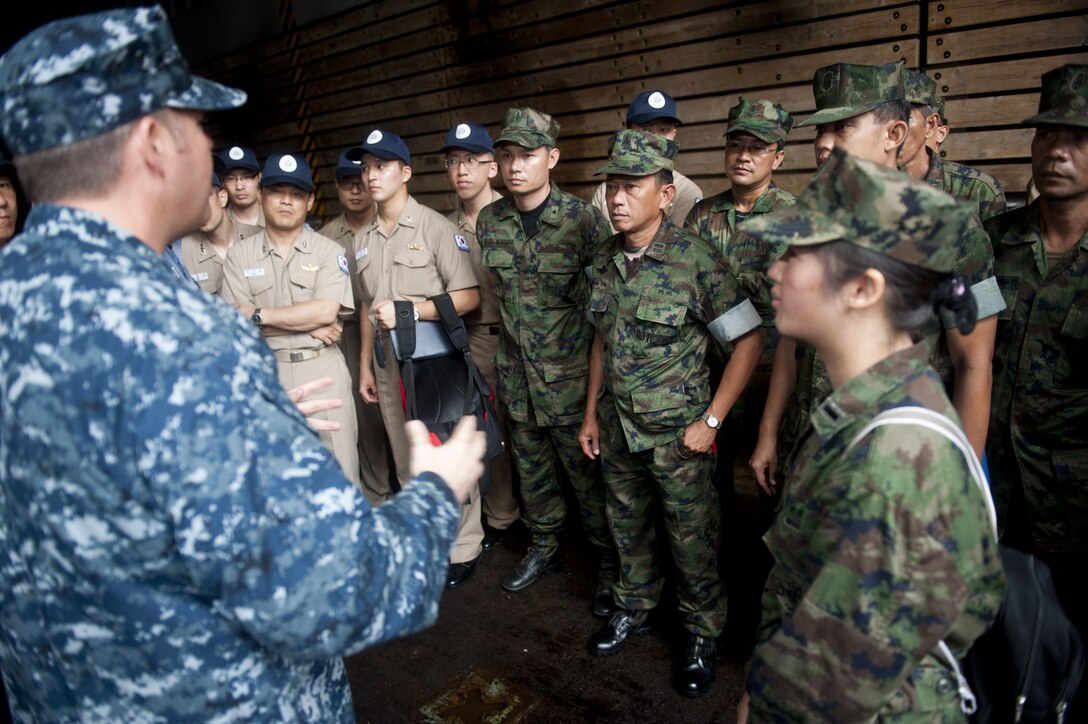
(1071, 372)
(658, 322)
(562, 282)
(598, 304)
(414, 275)
(303, 282)
(499, 262)
(260, 289)
(1009, 287)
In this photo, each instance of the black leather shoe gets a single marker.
(492, 536)
(461, 572)
(604, 605)
(695, 672)
(623, 625)
(537, 561)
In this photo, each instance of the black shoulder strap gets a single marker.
(406, 343)
(455, 328)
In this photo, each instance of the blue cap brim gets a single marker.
(207, 95)
(274, 180)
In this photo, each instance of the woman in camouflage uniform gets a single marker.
(883, 545)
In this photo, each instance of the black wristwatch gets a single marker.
(256, 318)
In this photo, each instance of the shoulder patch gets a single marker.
(462, 242)
(343, 262)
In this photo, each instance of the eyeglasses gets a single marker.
(347, 184)
(755, 149)
(469, 162)
(236, 177)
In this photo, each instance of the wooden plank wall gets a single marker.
(417, 67)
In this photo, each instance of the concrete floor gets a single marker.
(494, 656)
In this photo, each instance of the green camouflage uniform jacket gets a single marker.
(881, 551)
(715, 219)
(966, 184)
(656, 327)
(543, 290)
(1039, 411)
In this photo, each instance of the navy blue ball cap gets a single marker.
(346, 168)
(470, 137)
(651, 105)
(382, 144)
(239, 157)
(287, 168)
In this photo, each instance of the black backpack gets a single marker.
(1028, 664)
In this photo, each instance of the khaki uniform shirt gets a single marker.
(202, 261)
(315, 268)
(488, 311)
(422, 258)
(340, 231)
(687, 195)
(260, 215)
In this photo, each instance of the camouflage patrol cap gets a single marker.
(80, 77)
(844, 90)
(920, 88)
(1064, 100)
(639, 153)
(767, 121)
(528, 128)
(879, 209)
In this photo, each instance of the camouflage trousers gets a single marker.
(536, 452)
(663, 483)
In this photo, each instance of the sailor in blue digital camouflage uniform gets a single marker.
(175, 543)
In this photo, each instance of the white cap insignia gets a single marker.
(288, 164)
(374, 137)
(656, 100)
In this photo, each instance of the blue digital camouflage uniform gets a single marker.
(543, 357)
(884, 548)
(154, 566)
(175, 543)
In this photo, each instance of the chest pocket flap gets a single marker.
(497, 257)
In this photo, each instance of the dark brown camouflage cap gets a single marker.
(639, 153)
(528, 128)
(844, 90)
(1064, 100)
(767, 121)
(876, 208)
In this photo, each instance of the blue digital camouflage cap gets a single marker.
(639, 153)
(651, 105)
(384, 145)
(287, 168)
(470, 137)
(1064, 100)
(80, 77)
(239, 157)
(346, 167)
(880, 209)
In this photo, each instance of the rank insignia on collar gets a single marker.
(657, 248)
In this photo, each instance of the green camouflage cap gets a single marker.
(921, 89)
(938, 105)
(528, 128)
(639, 153)
(873, 207)
(844, 90)
(1064, 100)
(80, 77)
(767, 121)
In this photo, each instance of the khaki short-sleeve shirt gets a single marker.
(488, 311)
(200, 259)
(315, 268)
(423, 257)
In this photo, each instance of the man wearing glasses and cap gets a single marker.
(175, 542)
(242, 180)
(346, 229)
(204, 251)
(654, 111)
